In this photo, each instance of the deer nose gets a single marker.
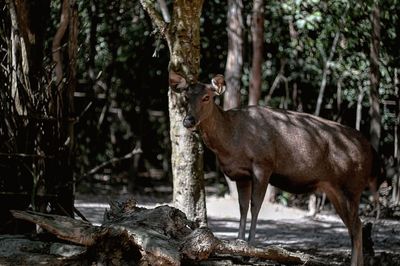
(189, 121)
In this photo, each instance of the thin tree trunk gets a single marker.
(325, 74)
(67, 194)
(56, 46)
(92, 10)
(183, 37)
(339, 97)
(360, 99)
(18, 105)
(296, 91)
(396, 178)
(276, 82)
(234, 65)
(313, 207)
(257, 33)
(234, 62)
(285, 99)
(375, 127)
(57, 53)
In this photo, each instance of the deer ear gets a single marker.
(177, 82)
(218, 84)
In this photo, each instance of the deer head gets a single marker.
(200, 97)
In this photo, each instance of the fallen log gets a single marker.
(159, 236)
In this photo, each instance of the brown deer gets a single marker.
(297, 152)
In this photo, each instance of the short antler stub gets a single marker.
(218, 84)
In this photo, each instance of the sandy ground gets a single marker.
(325, 235)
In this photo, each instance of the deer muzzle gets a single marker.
(189, 121)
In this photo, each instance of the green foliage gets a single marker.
(127, 86)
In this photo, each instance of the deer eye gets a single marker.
(206, 98)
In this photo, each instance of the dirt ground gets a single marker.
(324, 235)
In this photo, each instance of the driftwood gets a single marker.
(131, 235)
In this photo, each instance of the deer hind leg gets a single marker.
(259, 187)
(346, 206)
(244, 193)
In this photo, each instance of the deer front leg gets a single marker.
(244, 193)
(259, 187)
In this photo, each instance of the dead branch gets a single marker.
(63, 227)
(161, 25)
(113, 161)
(159, 236)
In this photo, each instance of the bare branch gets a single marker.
(164, 11)
(112, 161)
(161, 25)
(242, 248)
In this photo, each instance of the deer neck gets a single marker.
(214, 130)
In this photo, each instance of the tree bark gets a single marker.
(234, 65)
(183, 38)
(375, 127)
(187, 150)
(257, 33)
(234, 62)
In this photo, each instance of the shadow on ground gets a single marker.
(323, 238)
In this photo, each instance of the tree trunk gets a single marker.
(325, 74)
(66, 194)
(56, 45)
(92, 9)
(234, 62)
(313, 204)
(183, 37)
(375, 127)
(279, 77)
(187, 149)
(396, 178)
(360, 99)
(19, 106)
(257, 33)
(62, 108)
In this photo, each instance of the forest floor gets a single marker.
(324, 236)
